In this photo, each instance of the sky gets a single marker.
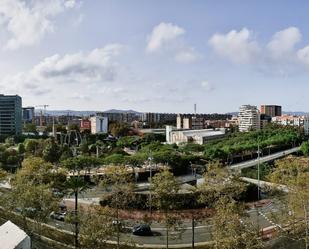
(155, 55)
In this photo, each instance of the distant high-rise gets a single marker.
(249, 118)
(28, 115)
(10, 115)
(271, 110)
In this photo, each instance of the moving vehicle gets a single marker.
(142, 230)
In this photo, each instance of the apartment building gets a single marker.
(248, 118)
(291, 120)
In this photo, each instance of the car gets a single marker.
(142, 230)
(58, 215)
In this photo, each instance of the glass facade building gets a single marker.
(10, 115)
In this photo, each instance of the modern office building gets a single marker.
(28, 115)
(271, 110)
(10, 115)
(248, 118)
(99, 124)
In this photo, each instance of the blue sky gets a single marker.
(159, 55)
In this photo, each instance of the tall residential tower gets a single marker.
(249, 118)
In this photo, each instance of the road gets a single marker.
(268, 158)
(261, 216)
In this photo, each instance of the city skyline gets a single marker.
(155, 56)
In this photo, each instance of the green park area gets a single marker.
(44, 171)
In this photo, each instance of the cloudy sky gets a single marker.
(155, 55)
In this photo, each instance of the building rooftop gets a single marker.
(203, 132)
(11, 235)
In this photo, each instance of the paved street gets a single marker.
(262, 215)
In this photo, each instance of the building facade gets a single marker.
(10, 115)
(28, 115)
(99, 124)
(290, 120)
(271, 110)
(248, 118)
(193, 136)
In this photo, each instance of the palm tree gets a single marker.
(76, 185)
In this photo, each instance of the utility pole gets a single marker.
(193, 227)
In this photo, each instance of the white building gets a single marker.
(193, 136)
(289, 120)
(99, 124)
(248, 118)
(12, 237)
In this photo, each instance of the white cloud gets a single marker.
(303, 55)
(186, 55)
(162, 35)
(168, 39)
(82, 69)
(237, 46)
(283, 42)
(97, 65)
(27, 22)
(207, 86)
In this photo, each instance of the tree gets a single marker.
(96, 227)
(118, 182)
(35, 170)
(165, 187)
(3, 174)
(32, 193)
(21, 149)
(305, 148)
(230, 230)
(73, 127)
(118, 129)
(76, 185)
(30, 128)
(293, 172)
(34, 147)
(51, 151)
(219, 182)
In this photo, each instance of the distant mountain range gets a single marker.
(80, 113)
